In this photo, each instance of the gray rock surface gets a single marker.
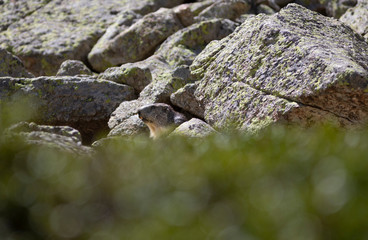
(357, 18)
(66, 29)
(182, 47)
(136, 42)
(131, 126)
(168, 67)
(295, 66)
(84, 103)
(185, 99)
(12, 11)
(11, 65)
(331, 8)
(194, 128)
(227, 9)
(136, 75)
(336, 8)
(73, 68)
(62, 138)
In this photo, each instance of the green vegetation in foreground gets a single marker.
(285, 183)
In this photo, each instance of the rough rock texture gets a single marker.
(194, 128)
(295, 66)
(332, 8)
(185, 99)
(66, 29)
(336, 8)
(136, 75)
(12, 11)
(168, 67)
(357, 18)
(73, 68)
(59, 137)
(126, 110)
(132, 126)
(182, 47)
(81, 102)
(228, 9)
(12, 66)
(135, 43)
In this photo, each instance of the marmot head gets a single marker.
(160, 118)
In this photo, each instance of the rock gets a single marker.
(135, 75)
(136, 42)
(182, 47)
(194, 128)
(131, 126)
(13, 11)
(168, 67)
(66, 29)
(62, 138)
(84, 103)
(336, 8)
(226, 9)
(185, 99)
(295, 66)
(126, 110)
(331, 8)
(263, 8)
(357, 18)
(12, 66)
(73, 68)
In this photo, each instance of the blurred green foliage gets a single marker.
(284, 183)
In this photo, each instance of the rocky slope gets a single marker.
(221, 61)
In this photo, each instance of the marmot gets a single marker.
(160, 118)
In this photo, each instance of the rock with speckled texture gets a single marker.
(84, 103)
(185, 99)
(67, 29)
(12, 11)
(131, 126)
(296, 66)
(73, 68)
(61, 138)
(357, 18)
(136, 42)
(194, 128)
(168, 67)
(12, 66)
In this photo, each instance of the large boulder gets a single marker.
(166, 71)
(357, 18)
(296, 66)
(182, 47)
(11, 65)
(62, 138)
(13, 11)
(136, 42)
(66, 29)
(84, 103)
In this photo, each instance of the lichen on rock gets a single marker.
(11, 65)
(272, 65)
